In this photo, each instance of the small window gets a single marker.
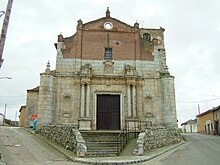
(108, 54)
(146, 36)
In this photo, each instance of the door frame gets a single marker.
(121, 106)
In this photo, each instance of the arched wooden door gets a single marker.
(108, 112)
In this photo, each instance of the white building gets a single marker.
(190, 126)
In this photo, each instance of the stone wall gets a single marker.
(155, 138)
(138, 73)
(31, 106)
(67, 136)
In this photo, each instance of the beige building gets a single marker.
(31, 106)
(108, 75)
(22, 116)
(208, 121)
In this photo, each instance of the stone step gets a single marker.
(110, 149)
(101, 143)
(103, 146)
(99, 138)
(102, 150)
(100, 153)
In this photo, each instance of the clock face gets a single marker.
(108, 25)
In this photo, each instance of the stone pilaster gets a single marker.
(82, 107)
(129, 100)
(85, 120)
(88, 101)
(134, 111)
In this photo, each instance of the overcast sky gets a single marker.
(192, 32)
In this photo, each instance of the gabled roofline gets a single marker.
(103, 18)
(209, 111)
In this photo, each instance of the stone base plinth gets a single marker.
(85, 124)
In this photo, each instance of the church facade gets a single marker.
(108, 74)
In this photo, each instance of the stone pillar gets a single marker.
(169, 101)
(134, 101)
(46, 109)
(82, 110)
(88, 101)
(59, 60)
(129, 100)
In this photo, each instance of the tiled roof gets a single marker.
(209, 111)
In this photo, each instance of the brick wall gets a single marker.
(90, 41)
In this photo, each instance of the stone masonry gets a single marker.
(67, 136)
(31, 105)
(115, 60)
(156, 137)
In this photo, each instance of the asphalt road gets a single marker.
(19, 147)
(198, 150)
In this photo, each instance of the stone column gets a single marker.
(134, 101)
(82, 110)
(88, 100)
(129, 100)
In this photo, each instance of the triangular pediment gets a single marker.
(98, 25)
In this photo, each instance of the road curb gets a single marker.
(104, 160)
(118, 161)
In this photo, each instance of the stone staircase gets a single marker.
(101, 143)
